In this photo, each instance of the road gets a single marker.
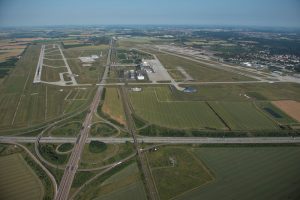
(72, 166)
(159, 140)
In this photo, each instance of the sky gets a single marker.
(271, 13)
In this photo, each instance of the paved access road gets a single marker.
(160, 140)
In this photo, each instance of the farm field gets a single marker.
(233, 92)
(275, 113)
(159, 105)
(249, 173)
(112, 105)
(243, 116)
(17, 180)
(174, 114)
(11, 48)
(176, 170)
(125, 183)
(40, 103)
(291, 108)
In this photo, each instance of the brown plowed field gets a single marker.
(292, 108)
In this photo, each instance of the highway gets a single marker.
(159, 140)
(71, 168)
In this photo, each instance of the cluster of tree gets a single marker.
(99, 40)
(48, 151)
(97, 146)
(43, 176)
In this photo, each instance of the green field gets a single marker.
(237, 92)
(50, 74)
(176, 170)
(65, 147)
(243, 116)
(17, 180)
(48, 151)
(113, 153)
(24, 104)
(249, 173)
(112, 105)
(103, 130)
(67, 130)
(122, 183)
(198, 71)
(213, 107)
(174, 114)
(90, 74)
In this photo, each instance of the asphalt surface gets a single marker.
(39, 67)
(159, 140)
(72, 166)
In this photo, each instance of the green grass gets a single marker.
(97, 147)
(236, 92)
(103, 130)
(133, 191)
(87, 74)
(17, 180)
(173, 114)
(112, 105)
(113, 153)
(250, 173)
(176, 170)
(81, 178)
(54, 63)
(49, 153)
(176, 74)
(38, 103)
(65, 147)
(243, 116)
(67, 130)
(52, 74)
(198, 71)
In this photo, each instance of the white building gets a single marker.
(136, 89)
(140, 77)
